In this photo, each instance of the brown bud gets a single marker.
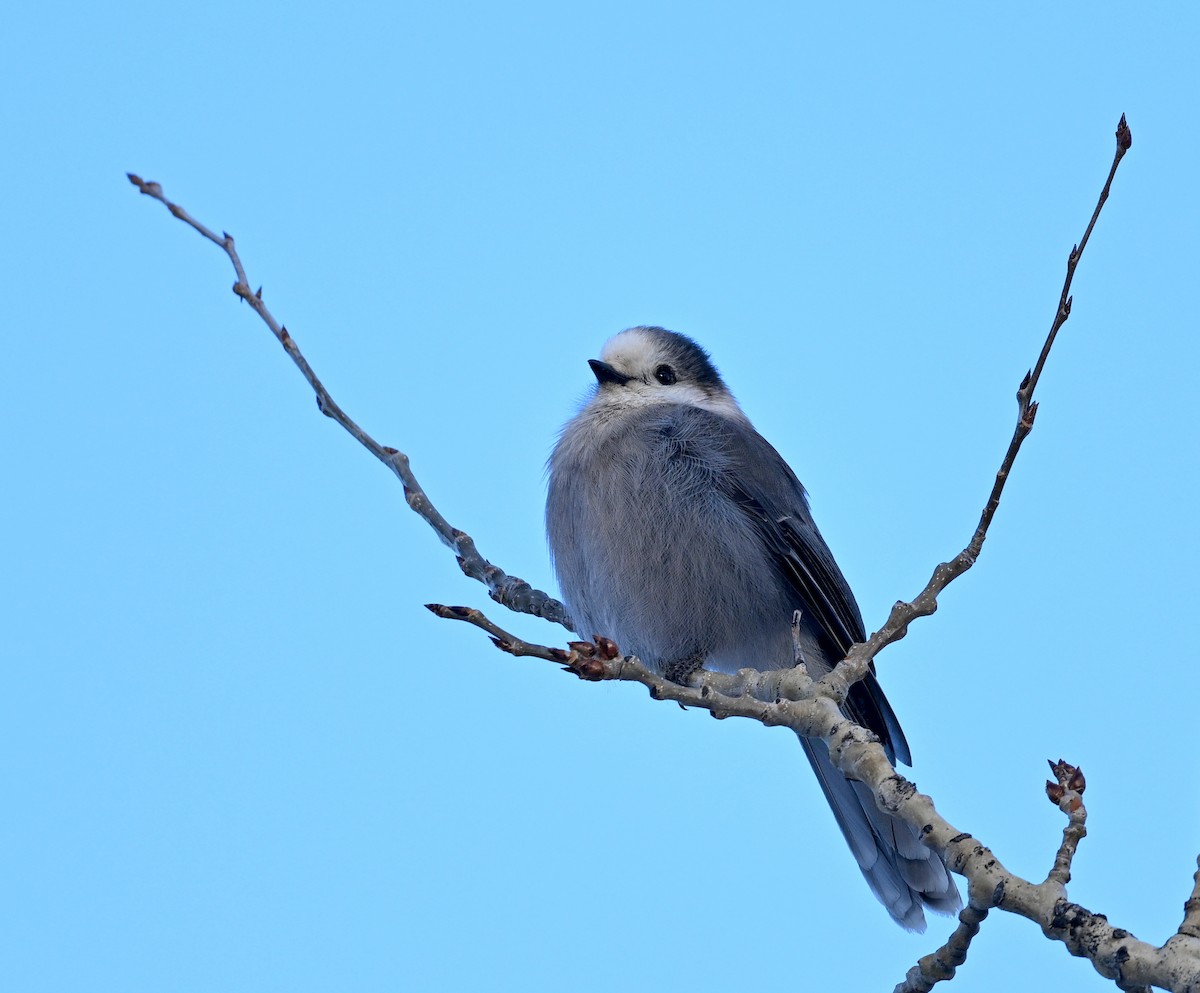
(590, 669)
(1124, 135)
(1061, 770)
(1077, 782)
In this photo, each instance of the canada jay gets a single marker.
(679, 532)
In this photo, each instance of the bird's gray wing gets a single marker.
(902, 872)
(768, 492)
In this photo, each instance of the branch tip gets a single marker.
(1124, 135)
(450, 613)
(1067, 779)
(150, 189)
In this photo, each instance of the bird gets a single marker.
(680, 533)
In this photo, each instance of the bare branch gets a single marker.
(939, 966)
(857, 663)
(1124, 142)
(791, 698)
(512, 592)
(506, 642)
(1066, 792)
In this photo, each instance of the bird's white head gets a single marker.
(648, 366)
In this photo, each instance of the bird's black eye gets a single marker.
(665, 375)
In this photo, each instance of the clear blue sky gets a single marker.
(238, 754)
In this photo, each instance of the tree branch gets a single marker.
(1066, 792)
(791, 698)
(939, 966)
(857, 663)
(512, 592)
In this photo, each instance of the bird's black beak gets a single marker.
(607, 374)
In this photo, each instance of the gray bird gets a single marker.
(679, 532)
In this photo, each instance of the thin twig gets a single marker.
(1066, 792)
(857, 663)
(797, 639)
(502, 639)
(512, 592)
(940, 966)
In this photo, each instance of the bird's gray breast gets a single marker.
(652, 550)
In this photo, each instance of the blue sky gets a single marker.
(237, 752)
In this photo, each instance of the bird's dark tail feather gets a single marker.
(902, 873)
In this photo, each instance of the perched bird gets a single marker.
(679, 532)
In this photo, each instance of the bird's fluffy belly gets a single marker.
(728, 610)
